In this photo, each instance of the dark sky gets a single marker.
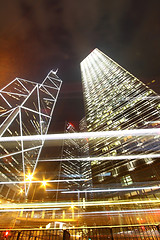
(37, 36)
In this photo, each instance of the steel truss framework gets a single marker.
(26, 109)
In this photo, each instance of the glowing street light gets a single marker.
(29, 177)
(48, 225)
(72, 209)
(44, 183)
(21, 190)
(72, 206)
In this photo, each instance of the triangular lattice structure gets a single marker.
(26, 109)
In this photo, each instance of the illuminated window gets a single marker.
(149, 160)
(115, 172)
(130, 166)
(126, 180)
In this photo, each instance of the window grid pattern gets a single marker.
(116, 100)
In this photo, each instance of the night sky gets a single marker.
(37, 36)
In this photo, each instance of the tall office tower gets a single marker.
(70, 170)
(26, 109)
(85, 165)
(116, 100)
(74, 170)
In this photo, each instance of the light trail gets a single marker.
(114, 189)
(148, 210)
(75, 204)
(81, 135)
(48, 181)
(110, 158)
(29, 209)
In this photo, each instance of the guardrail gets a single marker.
(144, 232)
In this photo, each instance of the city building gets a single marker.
(116, 100)
(70, 170)
(85, 165)
(76, 169)
(26, 109)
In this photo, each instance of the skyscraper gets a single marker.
(116, 100)
(26, 109)
(70, 169)
(85, 165)
(74, 170)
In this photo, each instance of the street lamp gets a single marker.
(29, 177)
(44, 183)
(21, 191)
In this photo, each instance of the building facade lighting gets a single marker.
(115, 100)
(26, 109)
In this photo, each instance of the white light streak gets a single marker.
(48, 181)
(114, 189)
(28, 209)
(109, 158)
(62, 136)
(151, 210)
(76, 204)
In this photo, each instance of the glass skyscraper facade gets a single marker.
(116, 100)
(77, 169)
(26, 108)
(70, 169)
(85, 165)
